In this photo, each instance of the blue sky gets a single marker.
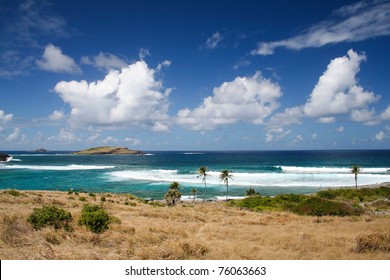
(195, 75)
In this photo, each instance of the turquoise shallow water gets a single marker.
(268, 172)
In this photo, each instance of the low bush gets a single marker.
(50, 216)
(317, 206)
(357, 195)
(95, 218)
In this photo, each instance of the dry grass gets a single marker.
(200, 231)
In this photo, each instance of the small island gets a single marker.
(109, 150)
(41, 150)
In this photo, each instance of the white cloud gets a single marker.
(288, 117)
(351, 23)
(142, 53)
(380, 136)
(132, 141)
(65, 136)
(276, 134)
(132, 96)
(110, 140)
(298, 138)
(105, 61)
(213, 41)
(14, 136)
(314, 136)
(340, 129)
(57, 115)
(54, 60)
(4, 118)
(17, 136)
(337, 91)
(386, 114)
(248, 99)
(165, 63)
(327, 120)
(365, 116)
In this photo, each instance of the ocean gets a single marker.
(149, 176)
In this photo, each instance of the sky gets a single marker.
(194, 75)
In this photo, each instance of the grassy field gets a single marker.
(186, 231)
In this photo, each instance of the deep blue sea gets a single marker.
(268, 172)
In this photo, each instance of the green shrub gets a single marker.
(317, 206)
(357, 195)
(83, 199)
(103, 199)
(95, 218)
(50, 216)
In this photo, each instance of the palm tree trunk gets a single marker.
(205, 190)
(227, 191)
(356, 181)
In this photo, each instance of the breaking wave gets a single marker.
(289, 177)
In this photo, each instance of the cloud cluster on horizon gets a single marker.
(131, 95)
(351, 23)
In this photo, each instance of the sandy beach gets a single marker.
(185, 231)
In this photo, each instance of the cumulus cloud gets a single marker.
(57, 115)
(337, 90)
(365, 116)
(54, 60)
(4, 118)
(248, 99)
(65, 136)
(351, 23)
(340, 129)
(380, 136)
(17, 136)
(288, 117)
(384, 116)
(131, 96)
(106, 61)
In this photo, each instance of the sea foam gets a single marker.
(290, 177)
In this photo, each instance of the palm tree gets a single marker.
(172, 196)
(194, 192)
(174, 186)
(355, 170)
(251, 192)
(225, 176)
(202, 171)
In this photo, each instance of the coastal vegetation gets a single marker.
(210, 230)
(50, 216)
(95, 218)
(333, 202)
(173, 195)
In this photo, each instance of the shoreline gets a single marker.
(189, 199)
